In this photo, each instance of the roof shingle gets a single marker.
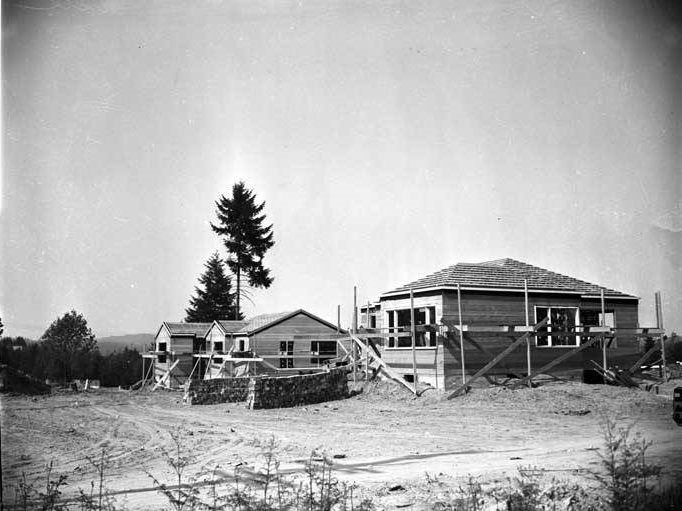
(505, 274)
(199, 329)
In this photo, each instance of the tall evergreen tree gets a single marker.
(215, 299)
(240, 223)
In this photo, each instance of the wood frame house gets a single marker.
(174, 346)
(286, 343)
(486, 307)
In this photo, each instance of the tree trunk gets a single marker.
(236, 311)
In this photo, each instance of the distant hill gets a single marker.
(108, 345)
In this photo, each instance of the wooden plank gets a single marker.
(486, 352)
(638, 365)
(497, 359)
(556, 361)
(383, 335)
(165, 375)
(385, 367)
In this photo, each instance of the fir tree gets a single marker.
(240, 223)
(214, 300)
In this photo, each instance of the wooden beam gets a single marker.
(461, 336)
(414, 342)
(557, 361)
(497, 359)
(390, 372)
(638, 365)
(485, 351)
(525, 299)
(382, 335)
(165, 375)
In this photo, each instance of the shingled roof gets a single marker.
(199, 329)
(263, 320)
(232, 326)
(505, 274)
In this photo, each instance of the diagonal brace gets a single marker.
(557, 361)
(497, 359)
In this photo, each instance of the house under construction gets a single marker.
(282, 343)
(503, 321)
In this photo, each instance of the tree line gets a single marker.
(67, 351)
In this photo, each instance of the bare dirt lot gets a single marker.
(382, 436)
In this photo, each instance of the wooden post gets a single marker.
(603, 323)
(461, 336)
(143, 373)
(525, 293)
(659, 324)
(355, 331)
(414, 351)
(367, 344)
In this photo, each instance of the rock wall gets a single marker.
(272, 391)
(219, 390)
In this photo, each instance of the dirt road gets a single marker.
(381, 436)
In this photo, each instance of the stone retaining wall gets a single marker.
(272, 391)
(219, 390)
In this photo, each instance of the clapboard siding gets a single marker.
(266, 343)
(487, 308)
(182, 344)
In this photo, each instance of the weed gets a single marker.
(628, 476)
(185, 494)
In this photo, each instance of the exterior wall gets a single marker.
(182, 344)
(429, 362)
(481, 308)
(180, 372)
(161, 337)
(214, 335)
(429, 359)
(441, 366)
(266, 344)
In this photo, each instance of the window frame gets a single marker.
(548, 327)
(430, 312)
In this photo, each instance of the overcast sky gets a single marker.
(388, 140)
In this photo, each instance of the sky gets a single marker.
(388, 140)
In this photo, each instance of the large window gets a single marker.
(402, 318)
(286, 348)
(322, 351)
(560, 329)
(595, 317)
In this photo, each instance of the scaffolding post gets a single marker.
(659, 324)
(461, 336)
(414, 342)
(355, 331)
(367, 345)
(602, 323)
(525, 293)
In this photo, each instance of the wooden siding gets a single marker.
(266, 343)
(163, 336)
(480, 308)
(429, 362)
(182, 344)
(215, 335)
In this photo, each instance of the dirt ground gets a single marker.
(382, 436)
